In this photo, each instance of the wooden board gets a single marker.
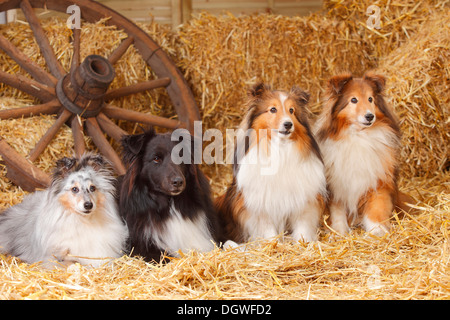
(175, 12)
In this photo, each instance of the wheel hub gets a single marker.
(82, 91)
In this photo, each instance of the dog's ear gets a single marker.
(95, 161)
(378, 80)
(257, 91)
(337, 83)
(302, 97)
(64, 166)
(65, 163)
(131, 146)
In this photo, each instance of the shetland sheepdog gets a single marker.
(290, 196)
(75, 220)
(167, 206)
(359, 137)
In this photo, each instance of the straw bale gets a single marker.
(419, 76)
(220, 57)
(412, 49)
(281, 51)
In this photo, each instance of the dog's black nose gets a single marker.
(369, 117)
(177, 182)
(287, 125)
(88, 205)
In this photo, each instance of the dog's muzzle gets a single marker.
(177, 185)
(286, 128)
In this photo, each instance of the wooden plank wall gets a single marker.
(161, 11)
(172, 12)
(237, 7)
(175, 12)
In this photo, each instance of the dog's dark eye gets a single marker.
(370, 99)
(273, 110)
(92, 188)
(75, 190)
(291, 110)
(156, 159)
(354, 100)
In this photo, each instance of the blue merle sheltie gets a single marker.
(75, 220)
(167, 205)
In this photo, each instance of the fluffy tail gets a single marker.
(402, 202)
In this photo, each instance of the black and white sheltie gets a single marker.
(75, 220)
(167, 206)
(261, 204)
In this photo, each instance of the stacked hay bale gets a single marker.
(222, 56)
(419, 75)
(412, 48)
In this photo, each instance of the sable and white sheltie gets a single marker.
(167, 206)
(75, 220)
(261, 204)
(359, 137)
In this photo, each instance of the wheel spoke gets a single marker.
(76, 49)
(136, 88)
(34, 88)
(52, 62)
(49, 135)
(50, 107)
(121, 49)
(21, 171)
(110, 128)
(103, 145)
(134, 116)
(26, 63)
(78, 137)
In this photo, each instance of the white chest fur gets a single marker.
(97, 238)
(183, 234)
(355, 164)
(292, 181)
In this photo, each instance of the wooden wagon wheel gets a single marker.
(83, 90)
